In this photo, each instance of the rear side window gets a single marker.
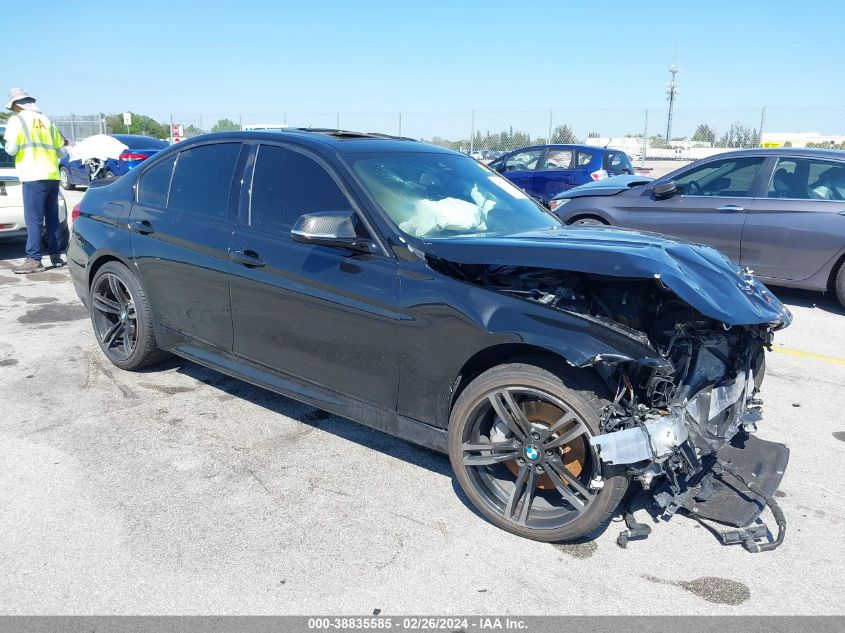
(584, 159)
(287, 184)
(807, 179)
(155, 183)
(202, 179)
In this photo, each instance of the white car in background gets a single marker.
(12, 223)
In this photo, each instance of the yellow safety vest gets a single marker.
(39, 142)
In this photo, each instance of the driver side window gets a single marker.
(730, 177)
(522, 160)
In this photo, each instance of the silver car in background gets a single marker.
(779, 212)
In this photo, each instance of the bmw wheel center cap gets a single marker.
(531, 453)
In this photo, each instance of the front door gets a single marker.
(711, 205)
(319, 314)
(520, 168)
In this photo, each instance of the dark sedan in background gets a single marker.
(544, 170)
(75, 173)
(780, 212)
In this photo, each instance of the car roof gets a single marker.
(812, 152)
(342, 141)
(587, 148)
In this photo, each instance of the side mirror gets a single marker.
(665, 190)
(331, 228)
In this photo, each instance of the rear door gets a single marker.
(320, 314)
(798, 225)
(182, 225)
(555, 173)
(711, 205)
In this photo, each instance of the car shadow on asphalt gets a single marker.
(321, 420)
(809, 299)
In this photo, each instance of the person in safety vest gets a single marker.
(37, 146)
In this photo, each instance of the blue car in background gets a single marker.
(543, 171)
(139, 148)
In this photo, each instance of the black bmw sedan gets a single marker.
(411, 289)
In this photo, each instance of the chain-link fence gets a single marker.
(646, 134)
(75, 128)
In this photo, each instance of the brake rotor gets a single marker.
(574, 454)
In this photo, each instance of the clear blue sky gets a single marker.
(378, 56)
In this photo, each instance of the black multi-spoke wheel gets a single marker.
(121, 318)
(115, 320)
(519, 444)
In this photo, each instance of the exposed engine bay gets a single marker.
(673, 413)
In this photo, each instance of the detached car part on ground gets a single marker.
(558, 367)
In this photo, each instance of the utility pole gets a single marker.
(671, 93)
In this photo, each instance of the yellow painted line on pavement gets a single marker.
(833, 360)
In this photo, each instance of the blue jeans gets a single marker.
(41, 208)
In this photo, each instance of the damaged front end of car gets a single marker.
(681, 417)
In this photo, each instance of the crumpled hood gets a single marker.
(698, 274)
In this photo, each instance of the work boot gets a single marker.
(56, 260)
(28, 266)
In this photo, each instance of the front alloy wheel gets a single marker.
(519, 444)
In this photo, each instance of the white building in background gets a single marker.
(800, 139)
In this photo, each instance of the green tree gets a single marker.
(563, 134)
(740, 136)
(191, 130)
(225, 125)
(4, 116)
(141, 124)
(705, 134)
(658, 141)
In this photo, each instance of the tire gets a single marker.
(588, 222)
(108, 174)
(839, 284)
(64, 179)
(491, 477)
(121, 318)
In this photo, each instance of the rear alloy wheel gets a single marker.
(589, 222)
(121, 318)
(519, 445)
(840, 284)
(64, 179)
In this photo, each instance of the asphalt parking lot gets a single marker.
(179, 490)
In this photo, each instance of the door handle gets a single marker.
(141, 226)
(730, 208)
(247, 258)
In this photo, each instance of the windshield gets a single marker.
(444, 195)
